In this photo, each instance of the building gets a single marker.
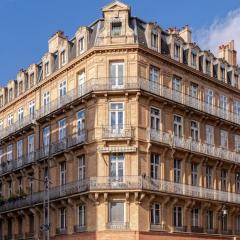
(136, 127)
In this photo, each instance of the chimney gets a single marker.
(228, 53)
(55, 41)
(186, 34)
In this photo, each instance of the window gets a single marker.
(116, 74)
(224, 221)
(62, 218)
(31, 79)
(209, 135)
(80, 123)
(116, 116)
(10, 94)
(177, 171)
(63, 57)
(223, 180)
(194, 174)
(177, 217)
(1, 100)
(20, 87)
(222, 73)
(81, 168)
(30, 147)
(223, 103)
(62, 173)
(155, 119)
(20, 114)
(81, 215)
(9, 227)
(237, 108)
(238, 224)
(116, 212)
(177, 126)
(194, 90)
(208, 177)
(20, 186)
(224, 139)
(155, 165)
(1, 124)
(19, 150)
(116, 28)
(209, 219)
(195, 217)
(81, 45)
(46, 68)
(63, 89)
(176, 51)
(32, 109)
(154, 39)
(9, 153)
(155, 213)
(31, 179)
(237, 182)
(195, 131)
(154, 75)
(116, 165)
(208, 67)
(176, 84)
(46, 102)
(209, 97)
(1, 157)
(62, 129)
(9, 188)
(10, 119)
(81, 81)
(46, 139)
(237, 142)
(193, 59)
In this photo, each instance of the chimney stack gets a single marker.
(228, 53)
(186, 34)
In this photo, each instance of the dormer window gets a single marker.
(31, 79)
(222, 73)
(63, 57)
(10, 94)
(46, 68)
(20, 87)
(116, 29)
(193, 59)
(81, 45)
(154, 40)
(176, 50)
(1, 100)
(208, 67)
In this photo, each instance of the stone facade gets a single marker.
(137, 130)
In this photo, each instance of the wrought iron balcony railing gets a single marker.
(193, 146)
(118, 131)
(122, 183)
(117, 225)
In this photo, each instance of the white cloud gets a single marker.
(221, 31)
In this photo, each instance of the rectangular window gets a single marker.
(81, 45)
(223, 103)
(194, 59)
(237, 182)
(20, 115)
(177, 217)
(208, 177)
(177, 126)
(116, 29)
(116, 116)
(63, 57)
(46, 68)
(224, 139)
(209, 97)
(223, 180)
(63, 89)
(62, 134)
(195, 217)
(177, 171)
(9, 188)
(46, 140)
(81, 81)
(1, 157)
(155, 166)
(209, 135)
(237, 108)
(177, 84)
(19, 150)
(9, 152)
(117, 166)
(10, 94)
(62, 218)
(116, 74)
(116, 212)
(10, 119)
(237, 142)
(154, 75)
(154, 40)
(208, 67)
(176, 51)
(155, 213)
(81, 168)
(31, 147)
(195, 131)
(20, 87)
(209, 219)
(62, 173)
(81, 215)
(46, 102)
(31, 79)
(194, 174)
(194, 90)
(222, 73)
(238, 224)
(1, 124)
(81, 123)
(155, 119)
(32, 109)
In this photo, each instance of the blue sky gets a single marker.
(26, 25)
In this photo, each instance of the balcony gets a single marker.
(158, 227)
(117, 132)
(117, 225)
(179, 229)
(193, 146)
(78, 228)
(61, 231)
(196, 229)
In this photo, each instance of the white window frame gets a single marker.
(19, 150)
(224, 139)
(155, 210)
(118, 160)
(178, 125)
(154, 39)
(118, 126)
(195, 130)
(10, 119)
(81, 44)
(209, 135)
(63, 173)
(209, 177)
(176, 221)
(194, 174)
(117, 81)
(155, 118)
(124, 212)
(9, 153)
(46, 101)
(81, 167)
(32, 109)
(31, 147)
(62, 213)
(155, 164)
(177, 172)
(195, 217)
(20, 114)
(63, 89)
(237, 142)
(62, 129)
(63, 57)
